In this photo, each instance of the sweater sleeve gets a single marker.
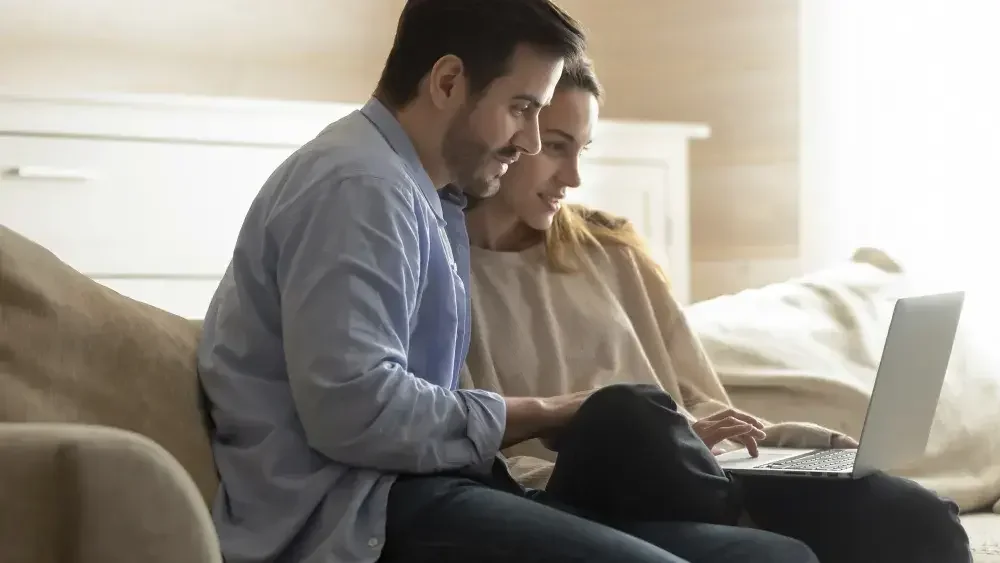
(702, 392)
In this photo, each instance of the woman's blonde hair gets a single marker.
(576, 229)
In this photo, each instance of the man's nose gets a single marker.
(528, 140)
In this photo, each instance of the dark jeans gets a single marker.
(632, 479)
(611, 499)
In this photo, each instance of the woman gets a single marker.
(598, 311)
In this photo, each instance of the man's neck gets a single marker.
(424, 133)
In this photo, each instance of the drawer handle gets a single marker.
(48, 173)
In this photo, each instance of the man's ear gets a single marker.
(448, 83)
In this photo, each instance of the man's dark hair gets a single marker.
(483, 33)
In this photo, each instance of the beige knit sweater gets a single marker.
(537, 332)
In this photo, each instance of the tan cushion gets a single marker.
(72, 350)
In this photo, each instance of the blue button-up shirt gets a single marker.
(332, 348)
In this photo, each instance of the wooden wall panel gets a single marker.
(734, 65)
(730, 63)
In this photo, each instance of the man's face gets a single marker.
(535, 188)
(489, 133)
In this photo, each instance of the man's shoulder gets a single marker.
(336, 166)
(353, 148)
(350, 167)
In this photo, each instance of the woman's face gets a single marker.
(535, 186)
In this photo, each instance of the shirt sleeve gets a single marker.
(348, 274)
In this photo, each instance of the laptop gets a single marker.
(903, 402)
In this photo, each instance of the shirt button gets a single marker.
(373, 542)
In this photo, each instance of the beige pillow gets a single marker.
(74, 351)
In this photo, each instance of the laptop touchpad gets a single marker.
(740, 459)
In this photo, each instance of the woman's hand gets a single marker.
(730, 424)
(843, 441)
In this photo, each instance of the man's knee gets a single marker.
(782, 549)
(722, 544)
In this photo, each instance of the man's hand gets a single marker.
(545, 417)
(730, 424)
(562, 409)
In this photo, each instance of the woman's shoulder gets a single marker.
(600, 218)
(616, 236)
(622, 245)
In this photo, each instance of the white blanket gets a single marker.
(808, 350)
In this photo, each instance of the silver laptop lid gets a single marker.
(910, 377)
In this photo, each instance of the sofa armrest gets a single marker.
(94, 494)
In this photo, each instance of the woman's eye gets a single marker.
(555, 147)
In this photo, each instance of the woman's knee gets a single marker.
(933, 519)
(907, 518)
(626, 401)
(876, 518)
(624, 415)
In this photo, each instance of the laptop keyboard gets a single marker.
(823, 460)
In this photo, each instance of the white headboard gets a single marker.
(146, 194)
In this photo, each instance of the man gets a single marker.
(332, 348)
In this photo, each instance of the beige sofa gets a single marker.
(104, 456)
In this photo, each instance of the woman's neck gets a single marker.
(499, 231)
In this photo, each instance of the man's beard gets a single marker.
(466, 156)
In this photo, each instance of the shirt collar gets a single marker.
(453, 194)
(393, 132)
